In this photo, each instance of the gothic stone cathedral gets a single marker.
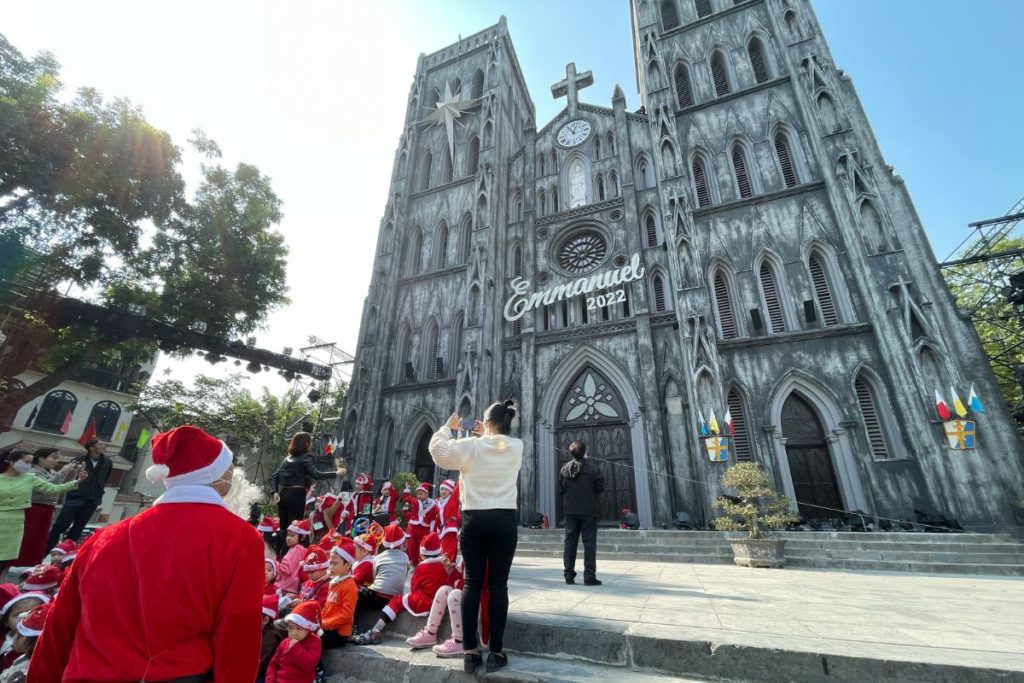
(738, 244)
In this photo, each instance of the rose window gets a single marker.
(582, 252)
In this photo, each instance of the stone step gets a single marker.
(978, 568)
(961, 557)
(905, 537)
(393, 661)
(694, 558)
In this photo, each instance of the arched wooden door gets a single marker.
(810, 463)
(592, 411)
(424, 464)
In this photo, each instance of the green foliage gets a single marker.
(759, 508)
(402, 481)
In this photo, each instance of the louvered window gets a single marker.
(597, 148)
(610, 144)
(659, 294)
(739, 167)
(554, 201)
(872, 419)
(446, 168)
(822, 291)
(600, 188)
(723, 305)
(684, 92)
(755, 50)
(719, 74)
(785, 160)
(542, 203)
(540, 165)
(473, 156)
(770, 290)
(517, 261)
(417, 254)
(703, 8)
(741, 440)
(669, 14)
(467, 240)
(700, 183)
(428, 161)
(613, 181)
(651, 229)
(442, 247)
(432, 350)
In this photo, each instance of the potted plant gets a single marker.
(755, 508)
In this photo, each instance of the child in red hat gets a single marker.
(15, 606)
(365, 548)
(44, 578)
(361, 502)
(290, 566)
(270, 577)
(297, 656)
(450, 518)
(316, 566)
(28, 630)
(271, 636)
(387, 502)
(390, 570)
(62, 551)
(423, 519)
(339, 612)
(432, 573)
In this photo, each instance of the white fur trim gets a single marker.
(204, 475)
(272, 563)
(315, 567)
(448, 530)
(390, 612)
(405, 604)
(363, 544)
(38, 586)
(297, 530)
(157, 473)
(190, 493)
(28, 632)
(395, 544)
(59, 551)
(270, 613)
(342, 554)
(430, 553)
(267, 529)
(302, 623)
(18, 598)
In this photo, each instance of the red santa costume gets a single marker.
(423, 519)
(295, 662)
(361, 502)
(64, 549)
(270, 587)
(387, 502)
(428, 576)
(316, 561)
(44, 578)
(326, 514)
(451, 520)
(172, 592)
(362, 570)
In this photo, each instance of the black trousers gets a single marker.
(489, 539)
(72, 519)
(368, 602)
(291, 508)
(575, 526)
(332, 639)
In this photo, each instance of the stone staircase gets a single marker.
(952, 553)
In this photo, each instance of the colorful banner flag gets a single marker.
(940, 406)
(143, 439)
(67, 423)
(974, 402)
(718, 448)
(960, 434)
(958, 405)
(703, 425)
(32, 417)
(89, 433)
(329, 447)
(714, 424)
(728, 421)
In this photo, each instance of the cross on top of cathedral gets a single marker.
(572, 83)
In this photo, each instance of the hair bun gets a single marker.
(510, 409)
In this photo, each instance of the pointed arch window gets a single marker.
(669, 14)
(872, 416)
(658, 286)
(433, 362)
(597, 147)
(467, 239)
(446, 167)
(542, 203)
(741, 439)
(785, 158)
(739, 169)
(600, 189)
(723, 306)
(517, 260)
(554, 200)
(540, 165)
(474, 306)
(613, 184)
(456, 337)
(791, 23)
(770, 291)
(610, 144)
(553, 163)
(822, 290)
(442, 245)
(404, 372)
(720, 73)
(758, 62)
(488, 135)
(827, 113)
(700, 182)
(428, 161)
(643, 174)
(703, 8)
(668, 159)
(473, 155)
(684, 90)
(651, 230)
(872, 225)
(56, 407)
(478, 84)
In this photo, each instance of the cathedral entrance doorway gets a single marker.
(592, 411)
(424, 464)
(810, 463)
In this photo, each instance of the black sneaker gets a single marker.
(495, 661)
(571, 580)
(471, 662)
(592, 582)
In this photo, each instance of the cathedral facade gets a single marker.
(730, 273)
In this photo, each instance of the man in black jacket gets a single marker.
(80, 504)
(580, 482)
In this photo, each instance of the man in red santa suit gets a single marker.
(386, 502)
(423, 519)
(451, 519)
(361, 502)
(171, 593)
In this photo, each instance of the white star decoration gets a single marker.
(449, 110)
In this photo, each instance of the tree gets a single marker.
(81, 182)
(756, 507)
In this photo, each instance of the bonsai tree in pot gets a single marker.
(755, 508)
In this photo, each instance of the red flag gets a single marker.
(89, 433)
(941, 407)
(67, 423)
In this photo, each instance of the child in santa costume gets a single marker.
(326, 514)
(390, 570)
(362, 570)
(316, 566)
(297, 656)
(423, 519)
(271, 636)
(361, 502)
(30, 626)
(432, 573)
(43, 579)
(290, 567)
(449, 598)
(387, 502)
(269, 577)
(451, 520)
(15, 606)
(172, 592)
(270, 527)
(62, 550)
(339, 612)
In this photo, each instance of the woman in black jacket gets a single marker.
(291, 482)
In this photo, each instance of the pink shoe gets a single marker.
(422, 639)
(449, 648)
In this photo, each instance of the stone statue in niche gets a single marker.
(577, 185)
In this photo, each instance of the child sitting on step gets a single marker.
(450, 598)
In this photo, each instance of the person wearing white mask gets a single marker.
(16, 489)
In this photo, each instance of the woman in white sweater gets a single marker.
(489, 471)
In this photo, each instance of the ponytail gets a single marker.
(500, 415)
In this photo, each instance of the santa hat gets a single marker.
(387, 486)
(306, 615)
(188, 455)
(394, 536)
(327, 500)
(345, 549)
(18, 598)
(364, 480)
(366, 542)
(269, 525)
(430, 546)
(272, 563)
(31, 624)
(7, 592)
(447, 484)
(66, 561)
(270, 606)
(425, 487)
(64, 547)
(43, 577)
(300, 527)
(310, 501)
(329, 540)
(316, 559)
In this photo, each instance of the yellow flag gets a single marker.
(713, 423)
(958, 405)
